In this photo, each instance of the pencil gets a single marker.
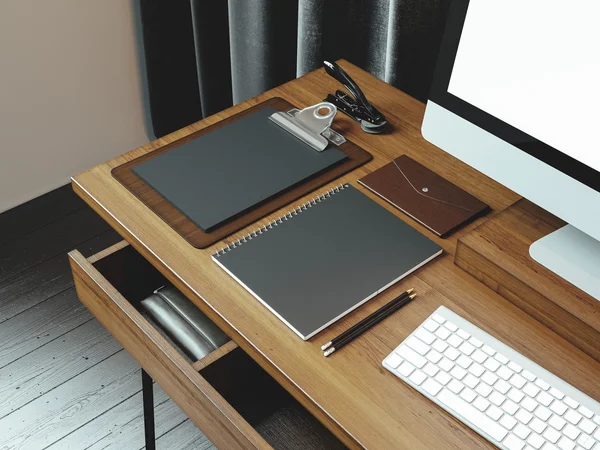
(369, 325)
(367, 319)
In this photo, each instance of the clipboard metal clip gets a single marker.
(312, 125)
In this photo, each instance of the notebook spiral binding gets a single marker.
(289, 215)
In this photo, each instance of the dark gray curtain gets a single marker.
(205, 55)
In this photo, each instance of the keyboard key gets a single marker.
(504, 372)
(471, 381)
(529, 404)
(544, 398)
(597, 419)
(515, 395)
(566, 444)
(572, 417)
(483, 389)
(535, 440)
(475, 342)
(439, 346)
(451, 353)
(433, 356)
(463, 334)
(501, 358)
(531, 390)
(502, 386)
(417, 345)
(491, 365)
(472, 414)
(467, 348)
(479, 356)
(431, 386)
(585, 412)
(458, 372)
(542, 384)
(558, 407)
(517, 381)
(528, 375)
(455, 386)
(597, 435)
(464, 361)
(411, 356)
(494, 412)
(496, 398)
(551, 435)
(481, 404)
(406, 369)
(514, 367)
(587, 426)
(450, 326)
(454, 341)
(513, 443)
(571, 432)
(443, 378)
(417, 377)
(507, 421)
(476, 369)
(446, 364)
(522, 431)
(442, 333)
(571, 403)
(425, 336)
(510, 407)
(556, 393)
(586, 441)
(557, 422)
(439, 319)
(537, 425)
(468, 395)
(431, 325)
(523, 416)
(489, 378)
(489, 350)
(394, 360)
(543, 413)
(431, 369)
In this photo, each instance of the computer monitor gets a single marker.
(516, 95)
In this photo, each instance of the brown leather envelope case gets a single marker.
(425, 196)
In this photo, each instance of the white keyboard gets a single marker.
(496, 391)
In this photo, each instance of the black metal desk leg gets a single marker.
(148, 399)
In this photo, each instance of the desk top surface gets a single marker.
(350, 392)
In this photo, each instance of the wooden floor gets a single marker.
(65, 383)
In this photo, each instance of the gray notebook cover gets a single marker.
(327, 260)
(221, 174)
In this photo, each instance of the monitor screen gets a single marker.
(528, 71)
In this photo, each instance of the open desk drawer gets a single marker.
(231, 399)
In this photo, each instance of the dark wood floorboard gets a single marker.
(65, 408)
(53, 239)
(123, 426)
(184, 437)
(43, 323)
(48, 278)
(64, 381)
(53, 364)
(38, 212)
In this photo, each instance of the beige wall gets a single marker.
(71, 94)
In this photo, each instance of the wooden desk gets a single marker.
(350, 393)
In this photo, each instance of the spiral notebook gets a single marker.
(324, 259)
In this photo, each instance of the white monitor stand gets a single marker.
(573, 255)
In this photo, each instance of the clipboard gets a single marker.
(431, 200)
(356, 156)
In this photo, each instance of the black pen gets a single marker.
(367, 319)
(369, 325)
